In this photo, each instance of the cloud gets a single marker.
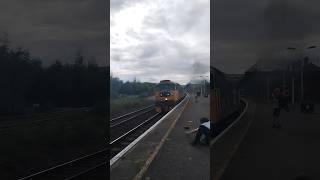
(246, 31)
(56, 29)
(155, 40)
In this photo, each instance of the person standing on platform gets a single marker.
(276, 108)
(284, 100)
(283, 104)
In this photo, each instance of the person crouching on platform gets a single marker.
(203, 129)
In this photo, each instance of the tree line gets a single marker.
(120, 88)
(25, 82)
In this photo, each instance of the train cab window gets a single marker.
(160, 87)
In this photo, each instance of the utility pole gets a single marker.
(302, 64)
(292, 91)
(204, 87)
(203, 83)
(283, 80)
(268, 89)
(301, 72)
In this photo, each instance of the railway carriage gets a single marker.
(167, 95)
(225, 98)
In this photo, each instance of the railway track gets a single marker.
(121, 142)
(138, 124)
(73, 169)
(130, 116)
(228, 121)
(94, 166)
(45, 117)
(131, 113)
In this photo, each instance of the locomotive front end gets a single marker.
(166, 96)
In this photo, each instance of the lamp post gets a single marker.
(204, 84)
(301, 75)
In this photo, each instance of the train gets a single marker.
(167, 94)
(224, 99)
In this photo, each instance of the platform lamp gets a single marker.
(204, 83)
(301, 73)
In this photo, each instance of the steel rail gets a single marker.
(133, 129)
(126, 120)
(120, 154)
(128, 114)
(87, 171)
(64, 164)
(38, 120)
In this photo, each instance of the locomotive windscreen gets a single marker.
(165, 86)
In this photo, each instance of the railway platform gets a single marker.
(177, 159)
(166, 152)
(266, 153)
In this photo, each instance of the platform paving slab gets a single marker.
(177, 159)
(267, 153)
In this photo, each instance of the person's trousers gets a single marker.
(202, 131)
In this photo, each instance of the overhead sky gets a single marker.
(249, 30)
(152, 40)
(56, 29)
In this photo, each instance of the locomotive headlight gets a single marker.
(166, 99)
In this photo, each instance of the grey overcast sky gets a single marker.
(152, 40)
(249, 30)
(56, 29)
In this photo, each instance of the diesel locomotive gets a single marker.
(167, 95)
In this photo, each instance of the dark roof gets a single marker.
(168, 82)
(165, 81)
(216, 71)
(312, 67)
